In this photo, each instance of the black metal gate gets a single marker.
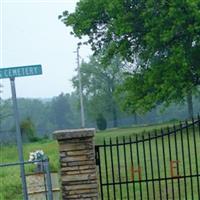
(40, 182)
(159, 165)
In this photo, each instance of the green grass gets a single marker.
(10, 181)
(128, 131)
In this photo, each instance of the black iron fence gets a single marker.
(159, 165)
(38, 180)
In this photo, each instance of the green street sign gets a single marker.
(13, 72)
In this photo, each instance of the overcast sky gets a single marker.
(32, 34)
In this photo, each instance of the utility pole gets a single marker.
(80, 89)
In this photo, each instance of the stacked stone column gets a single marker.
(78, 166)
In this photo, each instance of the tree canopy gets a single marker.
(160, 38)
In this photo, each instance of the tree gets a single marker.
(46, 115)
(101, 122)
(28, 130)
(61, 114)
(5, 112)
(160, 37)
(99, 84)
(37, 110)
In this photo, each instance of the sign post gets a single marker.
(12, 73)
(19, 138)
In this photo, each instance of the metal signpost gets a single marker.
(12, 73)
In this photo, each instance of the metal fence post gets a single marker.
(19, 139)
(48, 179)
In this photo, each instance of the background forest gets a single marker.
(63, 112)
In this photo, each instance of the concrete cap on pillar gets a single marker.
(73, 133)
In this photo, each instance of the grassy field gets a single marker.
(10, 181)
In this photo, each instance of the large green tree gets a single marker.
(99, 84)
(161, 39)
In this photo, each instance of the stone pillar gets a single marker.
(78, 166)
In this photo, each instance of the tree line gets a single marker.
(103, 96)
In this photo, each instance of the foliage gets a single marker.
(41, 113)
(5, 110)
(60, 112)
(101, 122)
(36, 109)
(28, 130)
(99, 83)
(46, 114)
(161, 38)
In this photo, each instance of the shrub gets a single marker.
(28, 131)
(101, 122)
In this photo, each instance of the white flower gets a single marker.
(31, 156)
(37, 155)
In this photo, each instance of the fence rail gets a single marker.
(38, 183)
(159, 165)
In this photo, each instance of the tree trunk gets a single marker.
(190, 105)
